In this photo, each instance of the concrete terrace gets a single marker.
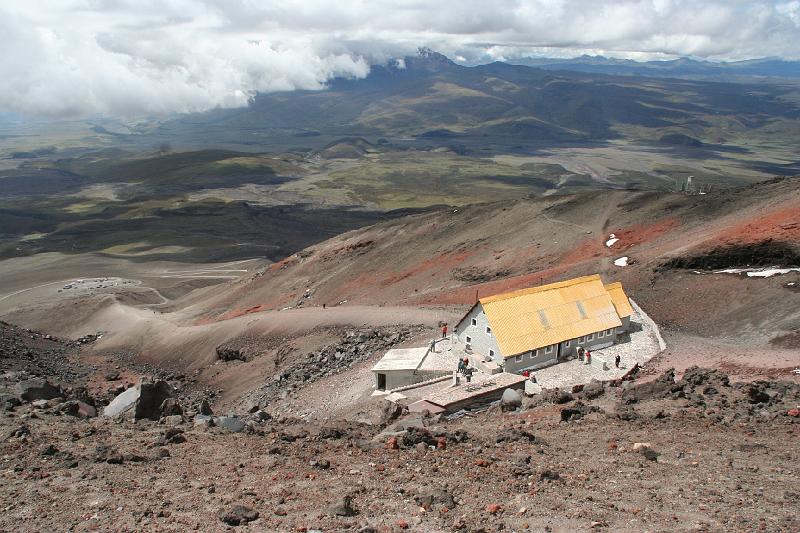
(643, 345)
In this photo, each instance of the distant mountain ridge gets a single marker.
(681, 67)
(430, 100)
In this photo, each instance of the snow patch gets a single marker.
(758, 272)
(612, 240)
(622, 261)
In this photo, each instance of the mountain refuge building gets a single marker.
(536, 327)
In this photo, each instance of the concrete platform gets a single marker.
(483, 389)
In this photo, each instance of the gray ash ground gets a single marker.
(711, 456)
(353, 346)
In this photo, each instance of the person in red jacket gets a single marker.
(444, 331)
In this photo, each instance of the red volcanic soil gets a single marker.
(779, 225)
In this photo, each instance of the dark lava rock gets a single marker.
(577, 411)
(343, 508)
(49, 450)
(650, 454)
(514, 435)
(37, 389)
(415, 435)
(151, 397)
(662, 387)
(230, 354)
(205, 408)
(756, 394)
(549, 475)
(238, 515)
(593, 389)
(107, 454)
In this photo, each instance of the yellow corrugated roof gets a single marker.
(532, 318)
(620, 299)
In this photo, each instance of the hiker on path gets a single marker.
(616, 361)
(461, 366)
(444, 331)
(580, 353)
(468, 374)
(588, 357)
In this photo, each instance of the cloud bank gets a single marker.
(129, 58)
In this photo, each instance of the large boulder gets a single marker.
(143, 400)
(37, 389)
(122, 403)
(511, 400)
(231, 423)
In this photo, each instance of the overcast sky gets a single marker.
(132, 57)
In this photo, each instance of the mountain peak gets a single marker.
(429, 60)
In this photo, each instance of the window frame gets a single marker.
(518, 358)
(590, 337)
(474, 322)
(491, 352)
(468, 340)
(548, 349)
(489, 330)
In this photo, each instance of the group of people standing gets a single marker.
(584, 354)
(464, 368)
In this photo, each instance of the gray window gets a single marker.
(518, 359)
(488, 330)
(549, 349)
(474, 321)
(566, 344)
(590, 337)
(491, 353)
(469, 339)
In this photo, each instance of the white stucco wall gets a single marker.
(481, 341)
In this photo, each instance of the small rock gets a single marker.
(238, 515)
(171, 407)
(49, 450)
(205, 408)
(494, 508)
(343, 508)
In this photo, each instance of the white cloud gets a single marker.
(133, 57)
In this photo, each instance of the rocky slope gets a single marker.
(696, 453)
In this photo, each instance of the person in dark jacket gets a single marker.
(616, 361)
(468, 374)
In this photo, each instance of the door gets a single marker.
(558, 351)
(381, 381)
